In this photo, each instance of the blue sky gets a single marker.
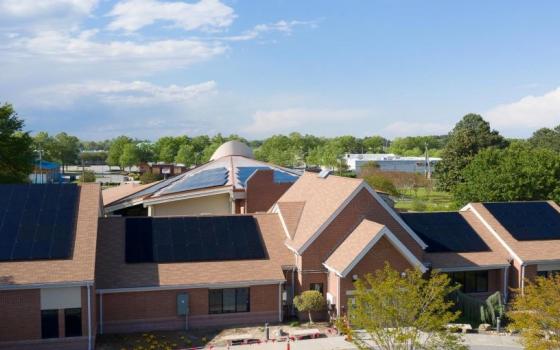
(149, 68)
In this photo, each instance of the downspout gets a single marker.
(89, 315)
(523, 279)
(506, 270)
(293, 290)
(280, 302)
(338, 297)
(100, 313)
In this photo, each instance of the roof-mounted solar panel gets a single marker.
(445, 232)
(38, 221)
(527, 221)
(192, 239)
(202, 179)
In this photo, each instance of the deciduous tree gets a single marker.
(469, 136)
(536, 313)
(310, 301)
(404, 311)
(16, 153)
(546, 138)
(116, 150)
(130, 156)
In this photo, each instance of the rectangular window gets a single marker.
(49, 324)
(316, 286)
(228, 300)
(73, 322)
(471, 281)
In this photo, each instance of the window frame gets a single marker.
(47, 315)
(67, 315)
(242, 301)
(312, 286)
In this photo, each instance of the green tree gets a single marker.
(166, 148)
(536, 313)
(148, 177)
(416, 145)
(546, 138)
(518, 172)
(186, 155)
(329, 155)
(381, 183)
(16, 152)
(469, 136)
(87, 176)
(116, 150)
(65, 149)
(145, 151)
(278, 149)
(404, 311)
(130, 156)
(310, 301)
(374, 144)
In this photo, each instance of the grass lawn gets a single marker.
(425, 200)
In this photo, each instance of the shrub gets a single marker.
(87, 176)
(147, 178)
(308, 301)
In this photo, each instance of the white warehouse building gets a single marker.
(391, 162)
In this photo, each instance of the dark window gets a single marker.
(49, 324)
(548, 274)
(228, 300)
(73, 322)
(316, 286)
(471, 281)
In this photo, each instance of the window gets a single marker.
(548, 274)
(316, 286)
(228, 300)
(73, 322)
(471, 281)
(49, 324)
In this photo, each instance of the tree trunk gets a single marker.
(310, 319)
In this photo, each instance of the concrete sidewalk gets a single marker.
(477, 341)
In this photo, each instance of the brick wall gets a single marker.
(144, 311)
(20, 312)
(262, 192)
(363, 206)
(374, 260)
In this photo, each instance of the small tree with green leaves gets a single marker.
(310, 301)
(148, 177)
(536, 313)
(87, 176)
(404, 312)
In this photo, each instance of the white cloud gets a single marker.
(285, 27)
(528, 112)
(131, 15)
(120, 93)
(286, 120)
(35, 14)
(132, 56)
(407, 128)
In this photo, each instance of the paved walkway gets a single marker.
(475, 341)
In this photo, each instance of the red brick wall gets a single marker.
(262, 192)
(20, 312)
(363, 206)
(374, 260)
(141, 311)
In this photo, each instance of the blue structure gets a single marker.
(45, 172)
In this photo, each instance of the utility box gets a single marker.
(182, 304)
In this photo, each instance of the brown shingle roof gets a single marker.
(353, 245)
(112, 272)
(322, 197)
(114, 194)
(291, 213)
(525, 250)
(496, 256)
(80, 267)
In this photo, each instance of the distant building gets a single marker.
(391, 162)
(163, 169)
(45, 172)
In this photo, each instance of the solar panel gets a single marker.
(445, 232)
(202, 179)
(243, 174)
(192, 239)
(527, 221)
(37, 221)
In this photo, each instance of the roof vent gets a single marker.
(324, 173)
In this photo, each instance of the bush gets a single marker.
(87, 176)
(147, 178)
(308, 301)
(381, 183)
(418, 205)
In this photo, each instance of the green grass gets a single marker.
(423, 199)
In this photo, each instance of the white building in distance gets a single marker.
(391, 162)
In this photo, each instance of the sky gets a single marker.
(150, 68)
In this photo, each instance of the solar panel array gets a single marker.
(243, 174)
(445, 232)
(37, 221)
(192, 239)
(527, 221)
(202, 179)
